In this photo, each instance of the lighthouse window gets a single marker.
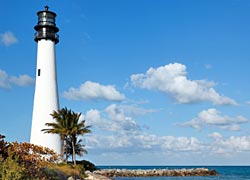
(39, 72)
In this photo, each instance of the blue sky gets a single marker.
(162, 82)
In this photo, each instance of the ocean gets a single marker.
(225, 172)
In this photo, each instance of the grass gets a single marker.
(66, 170)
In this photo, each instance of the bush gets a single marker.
(88, 166)
(3, 147)
(10, 168)
(63, 171)
(34, 159)
(25, 161)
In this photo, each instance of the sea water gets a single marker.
(225, 172)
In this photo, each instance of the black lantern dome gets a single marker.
(46, 26)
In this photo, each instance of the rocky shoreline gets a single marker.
(109, 173)
(94, 176)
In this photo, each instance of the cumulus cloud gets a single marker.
(121, 122)
(123, 132)
(94, 91)
(94, 118)
(6, 81)
(213, 117)
(169, 149)
(173, 144)
(236, 144)
(172, 79)
(215, 135)
(112, 119)
(144, 142)
(8, 38)
(114, 132)
(134, 110)
(228, 145)
(22, 80)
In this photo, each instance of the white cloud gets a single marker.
(237, 144)
(174, 144)
(22, 80)
(134, 110)
(116, 119)
(168, 149)
(215, 135)
(7, 81)
(8, 38)
(112, 119)
(144, 142)
(230, 145)
(172, 79)
(93, 117)
(121, 122)
(114, 132)
(4, 80)
(213, 117)
(122, 131)
(94, 91)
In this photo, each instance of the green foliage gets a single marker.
(34, 158)
(88, 166)
(11, 169)
(79, 148)
(68, 126)
(25, 161)
(62, 171)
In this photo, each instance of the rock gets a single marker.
(154, 172)
(93, 176)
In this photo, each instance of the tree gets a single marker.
(79, 149)
(76, 128)
(68, 125)
(60, 126)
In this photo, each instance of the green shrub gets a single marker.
(11, 169)
(88, 166)
(63, 171)
(25, 161)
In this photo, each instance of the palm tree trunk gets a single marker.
(63, 147)
(73, 149)
(67, 157)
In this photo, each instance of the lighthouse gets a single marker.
(46, 95)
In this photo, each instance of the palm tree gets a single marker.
(79, 149)
(59, 126)
(76, 128)
(68, 126)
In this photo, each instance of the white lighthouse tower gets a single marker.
(46, 97)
